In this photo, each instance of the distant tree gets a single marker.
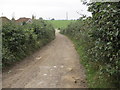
(33, 17)
(13, 19)
(24, 23)
(40, 18)
(52, 19)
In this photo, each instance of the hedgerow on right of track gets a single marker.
(98, 39)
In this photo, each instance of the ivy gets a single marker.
(100, 37)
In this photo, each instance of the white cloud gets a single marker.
(42, 8)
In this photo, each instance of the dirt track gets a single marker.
(54, 66)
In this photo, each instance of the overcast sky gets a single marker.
(42, 8)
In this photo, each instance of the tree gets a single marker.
(52, 19)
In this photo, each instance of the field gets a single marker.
(61, 23)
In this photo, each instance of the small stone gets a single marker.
(38, 58)
(75, 81)
(61, 66)
(9, 71)
(40, 83)
(44, 74)
(70, 69)
(55, 66)
(83, 81)
(77, 78)
(56, 81)
(21, 69)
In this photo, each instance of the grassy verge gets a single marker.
(95, 78)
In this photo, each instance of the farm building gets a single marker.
(4, 19)
(23, 21)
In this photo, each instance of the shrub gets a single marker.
(21, 40)
(99, 38)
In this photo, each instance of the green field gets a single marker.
(60, 23)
